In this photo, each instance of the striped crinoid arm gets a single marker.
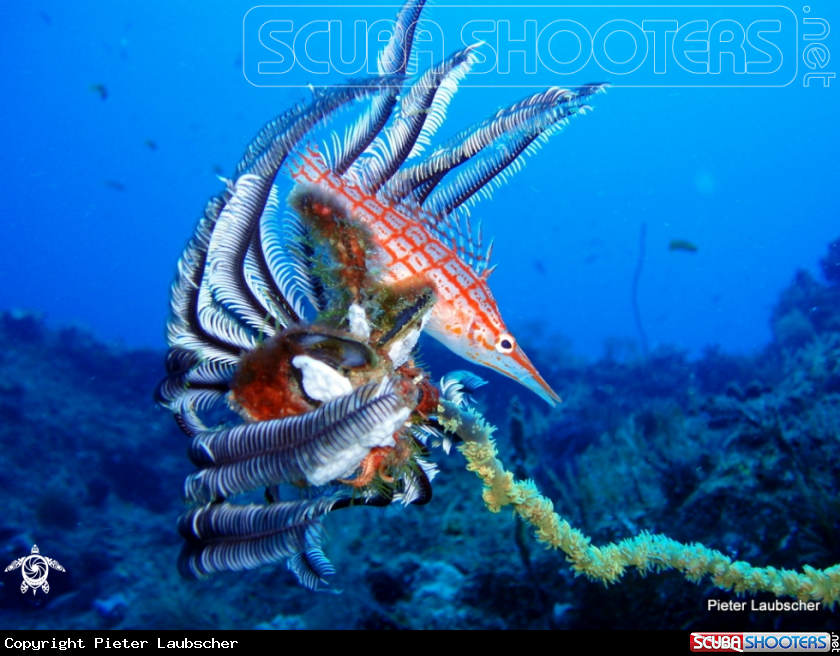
(227, 537)
(186, 332)
(393, 60)
(314, 448)
(249, 274)
(187, 396)
(269, 149)
(496, 150)
(201, 357)
(226, 253)
(422, 108)
(207, 332)
(274, 276)
(542, 108)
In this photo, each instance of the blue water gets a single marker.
(115, 122)
(94, 217)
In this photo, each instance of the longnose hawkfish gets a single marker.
(411, 248)
(419, 218)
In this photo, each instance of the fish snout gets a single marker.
(516, 365)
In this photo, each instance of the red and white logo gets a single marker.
(794, 642)
(717, 642)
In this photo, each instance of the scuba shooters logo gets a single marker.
(797, 642)
(35, 569)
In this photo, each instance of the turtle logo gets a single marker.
(35, 570)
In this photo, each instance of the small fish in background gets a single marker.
(539, 266)
(151, 145)
(45, 17)
(682, 245)
(100, 89)
(217, 170)
(113, 184)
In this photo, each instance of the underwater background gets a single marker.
(717, 422)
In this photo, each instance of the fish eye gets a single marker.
(505, 343)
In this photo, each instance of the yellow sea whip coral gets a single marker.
(646, 552)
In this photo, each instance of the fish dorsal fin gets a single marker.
(455, 230)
